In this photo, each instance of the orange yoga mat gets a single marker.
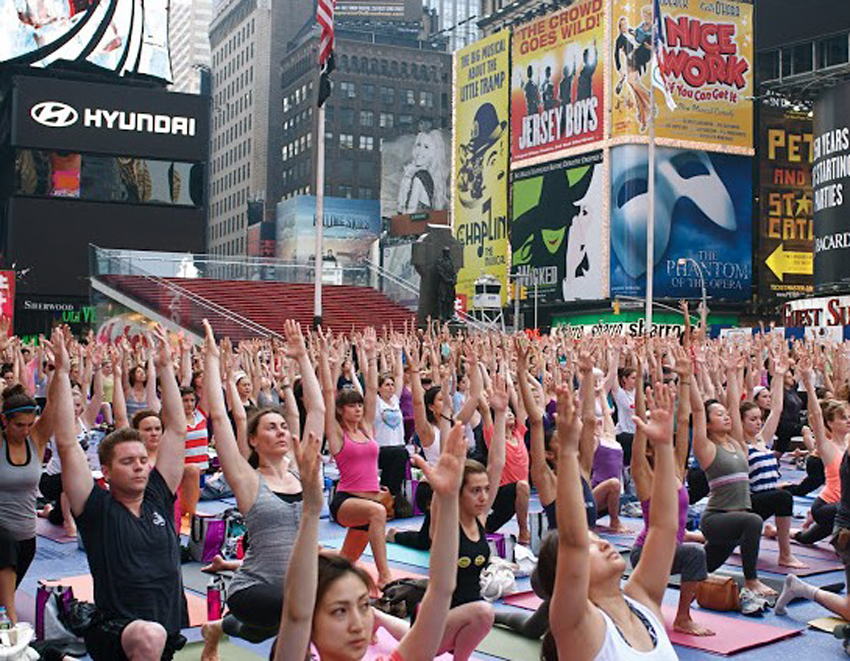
(84, 591)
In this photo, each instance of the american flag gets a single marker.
(659, 78)
(325, 18)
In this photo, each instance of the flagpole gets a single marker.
(319, 217)
(650, 221)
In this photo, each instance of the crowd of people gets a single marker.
(113, 442)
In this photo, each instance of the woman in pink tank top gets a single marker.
(349, 419)
(340, 622)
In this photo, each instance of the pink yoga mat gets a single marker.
(769, 561)
(84, 591)
(386, 645)
(44, 528)
(731, 634)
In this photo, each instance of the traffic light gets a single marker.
(616, 306)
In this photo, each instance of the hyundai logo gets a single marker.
(54, 114)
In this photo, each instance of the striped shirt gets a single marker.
(764, 471)
(197, 439)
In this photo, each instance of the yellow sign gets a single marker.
(783, 262)
(480, 141)
(707, 61)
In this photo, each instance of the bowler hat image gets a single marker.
(486, 129)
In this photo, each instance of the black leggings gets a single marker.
(392, 461)
(16, 554)
(724, 531)
(533, 625)
(773, 502)
(697, 484)
(254, 613)
(416, 539)
(815, 477)
(626, 439)
(823, 514)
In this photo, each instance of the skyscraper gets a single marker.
(190, 43)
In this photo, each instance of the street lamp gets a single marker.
(683, 261)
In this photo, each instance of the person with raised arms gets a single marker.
(327, 598)
(268, 492)
(592, 616)
(133, 548)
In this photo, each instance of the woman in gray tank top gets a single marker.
(24, 439)
(268, 493)
(721, 451)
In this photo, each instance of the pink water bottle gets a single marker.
(215, 598)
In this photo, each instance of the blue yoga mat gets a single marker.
(395, 553)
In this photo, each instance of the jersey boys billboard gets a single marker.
(557, 81)
(707, 59)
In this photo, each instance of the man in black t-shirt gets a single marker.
(128, 532)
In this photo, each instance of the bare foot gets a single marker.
(44, 512)
(769, 531)
(791, 561)
(690, 627)
(524, 539)
(383, 580)
(760, 588)
(212, 633)
(391, 535)
(694, 536)
(619, 527)
(218, 563)
(70, 529)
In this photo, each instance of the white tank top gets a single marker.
(432, 452)
(615, 647)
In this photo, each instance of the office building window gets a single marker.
(387, 120)
(346, 116)
(367, 142)
(365, 193)
(405, 120)
(367, 92)
(408, 97)
(347, 90)
(387, 95)
(367, 118)
(426, 99)
(346, 141)
(345, 191)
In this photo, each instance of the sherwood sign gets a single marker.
(117, 119)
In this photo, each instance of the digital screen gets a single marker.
(124, 36)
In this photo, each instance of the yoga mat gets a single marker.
(732, 635)
(395, 553)
(505, 644)
(196, 580)
(769, 561)
(43, 528)
(397, 573)
(84, 591)
(821, 550)
(826, 624)
(226, 650)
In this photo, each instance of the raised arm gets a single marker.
(150, 383)
(302, 574)
(314, 403)
(642, 472)
(420, 418)
(475, 387)
(826, 449)
(704, 449)
(370, 396)
(575, 623)
(496, 454)
(780, 368)
(172, 447)
(423, 639)
(77, 481)
(542, 476)
(734, 365)
(684, 368)
(649, 579)
(238, 472)
(119, 403)
(332, 429)
(587, 439)
(92, 409)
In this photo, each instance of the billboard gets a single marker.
(708, 62)
(59, 115)
(122, 36)
(351, 227)
(480, 140)
(415, 173)
(557, 81)
(703, 212)
(786, 229)
(830, 174)
(558, 228)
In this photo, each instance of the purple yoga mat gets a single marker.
(822, 550)
(44, 528)
(769, 561)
